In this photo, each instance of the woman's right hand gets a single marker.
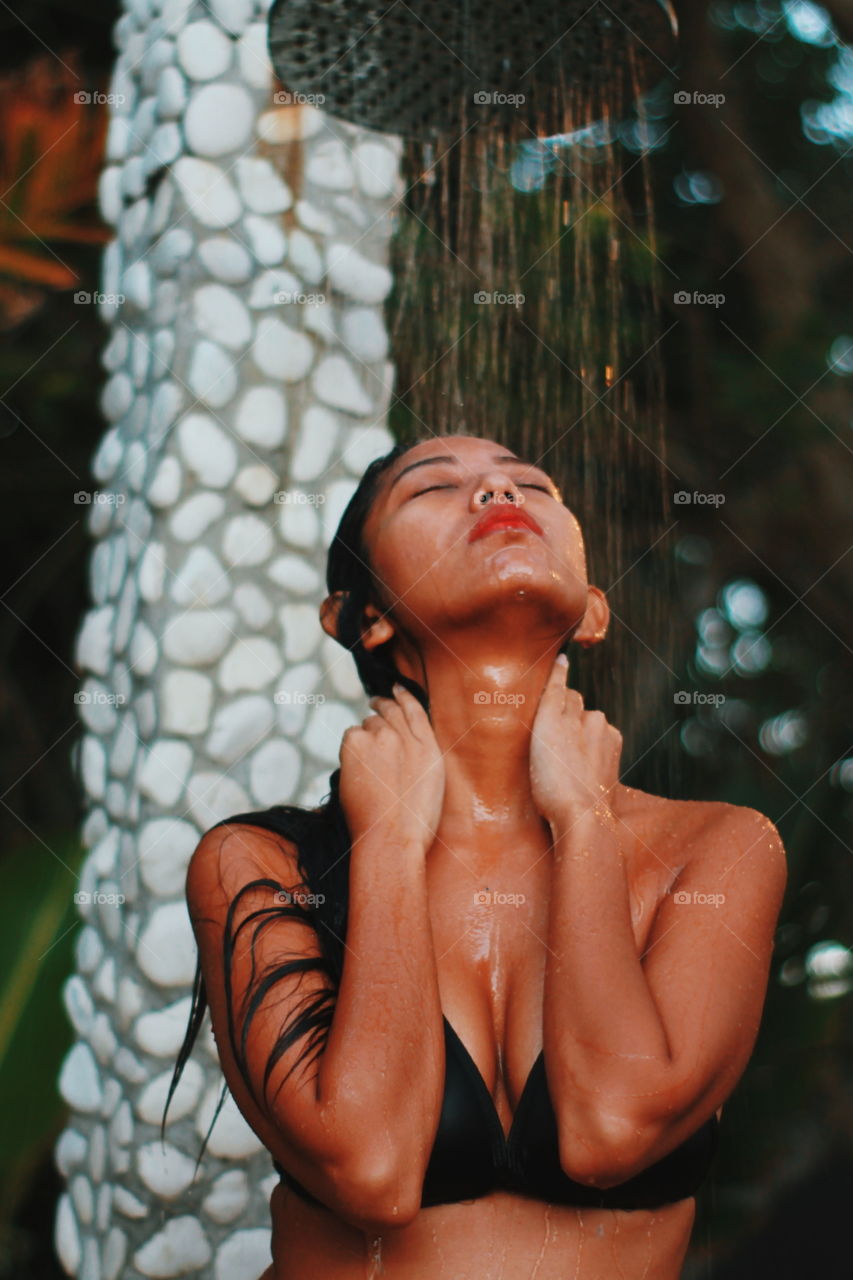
(392, 771)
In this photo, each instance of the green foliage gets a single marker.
(38, 924)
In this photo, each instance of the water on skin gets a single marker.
(545, 1243)
(614, 1250)
(374, 1257)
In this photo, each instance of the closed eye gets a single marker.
(433, 486)
(541, 487)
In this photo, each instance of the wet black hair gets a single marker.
(320, 835)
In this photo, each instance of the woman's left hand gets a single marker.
(574, 754)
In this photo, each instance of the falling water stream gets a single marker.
(525, 309)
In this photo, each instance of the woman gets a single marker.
(485, 1005)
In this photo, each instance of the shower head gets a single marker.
(417, 67)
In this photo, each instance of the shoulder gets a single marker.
(745, 840)
(230, 855)
(710, 829)
(698, 815)
(733, 839)
(715, 819)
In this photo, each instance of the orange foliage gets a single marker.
(51, 149)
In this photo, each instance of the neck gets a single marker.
(482, 707)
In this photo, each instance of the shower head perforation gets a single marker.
(416, 69)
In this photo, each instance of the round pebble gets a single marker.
(262, 189)
(281, 352)
(261, 417)
(218, 120)
(356, 276)
(317, 435)
(221, 316)
(204, 51)
(208, 452)
(274, 773)
(237, 727)
(212, 375)
(251, 663)
(208, 192)
(180, 1246)
(167, 951)
(248, 540)
(336, 384)
(165, 846)
(225, 259)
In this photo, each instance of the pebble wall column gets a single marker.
(246, 388)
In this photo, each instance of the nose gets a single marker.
(495, 486)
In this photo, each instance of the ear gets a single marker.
(329, 611)
(378, 629)
(594, 623)
(373, 634)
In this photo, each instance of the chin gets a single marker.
(535, 594)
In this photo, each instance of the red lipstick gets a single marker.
(505, 516)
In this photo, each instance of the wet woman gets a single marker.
(484, 1006)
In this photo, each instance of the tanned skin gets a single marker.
(503, 876)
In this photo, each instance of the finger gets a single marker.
(556, 682)
(386, 709)
(416, 717)
(573, 703)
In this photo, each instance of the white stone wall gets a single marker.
(246, 388)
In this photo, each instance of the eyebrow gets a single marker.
(446, 457)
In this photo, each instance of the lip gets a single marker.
(496, 518)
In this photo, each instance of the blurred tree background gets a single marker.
(753, 202)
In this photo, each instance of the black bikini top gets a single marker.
(471, 1157)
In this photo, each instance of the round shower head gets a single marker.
(417, 67)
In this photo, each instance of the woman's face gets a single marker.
(433, 580)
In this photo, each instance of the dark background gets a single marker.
(753, 201)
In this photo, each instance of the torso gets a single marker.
(490, 960)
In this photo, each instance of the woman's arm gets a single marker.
(641, 1051)
(357, 1130)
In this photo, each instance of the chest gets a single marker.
(490, 935)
